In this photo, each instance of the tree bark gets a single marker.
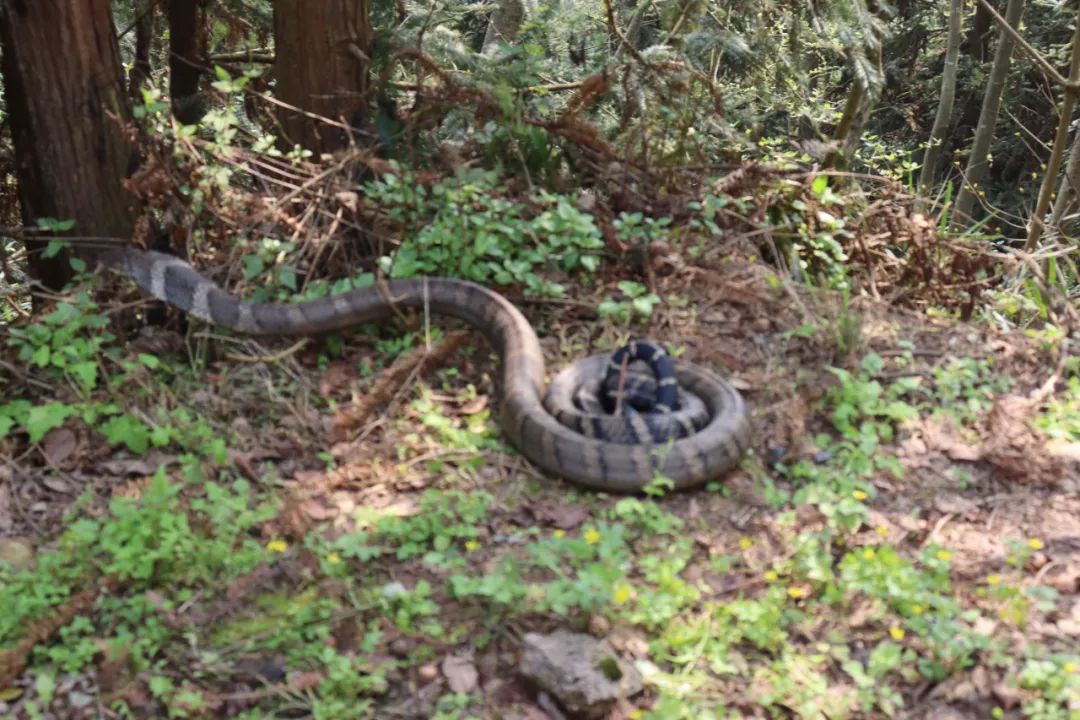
(857, 107)
(66, 110)
(322, 63)
(977, 166)
(186, 39)
(943, 119)
(849, 122)
(144, 38)
(1068, 191)
(978, 36)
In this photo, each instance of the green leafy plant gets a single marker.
(67, 342)
(638, 305)
(446, 521)
(964, 388)
(462, 226)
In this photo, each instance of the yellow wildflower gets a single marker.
(278, 546)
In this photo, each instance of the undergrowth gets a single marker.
(784, 642)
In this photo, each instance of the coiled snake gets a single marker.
(599, 463)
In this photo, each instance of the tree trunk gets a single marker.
(977, 167)
(857, 107)
(945, 104)
(849, 121)
(66, 110)
(323, 58)
(1068, 191)
(186, 39)
(144, 38)
(977, 42)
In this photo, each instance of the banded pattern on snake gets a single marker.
(601, 464)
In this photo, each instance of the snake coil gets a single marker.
(601, 463)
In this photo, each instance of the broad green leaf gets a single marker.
(127, 430)
(42, 356)
(253, 266)
(43, 418)
(86, 372)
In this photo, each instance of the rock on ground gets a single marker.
(583, 673)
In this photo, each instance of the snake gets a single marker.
(599, 463)
(601, 399)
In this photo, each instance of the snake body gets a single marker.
(579, 395)
(598, 463)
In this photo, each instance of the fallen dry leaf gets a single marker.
(138, 466)
(318, 509)
(1007, 695)
(132, 489)
(58, 445)
(349, 199)
(461, 674)
(479, 404)
(564, 517)
(337, 375)
(57, 485)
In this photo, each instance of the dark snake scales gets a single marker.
(595, 463)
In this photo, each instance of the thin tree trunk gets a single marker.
(852, 106)
(978, 36)
(853, 129)
(322, 62)
(1068, 191)
(186, 39)
(66, 110)
(943, 119)
(977, 167)
(1061, 138)
(144, 38)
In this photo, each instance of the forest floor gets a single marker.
(903, 540)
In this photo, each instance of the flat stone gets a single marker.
(17, 552)
(584, 674)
